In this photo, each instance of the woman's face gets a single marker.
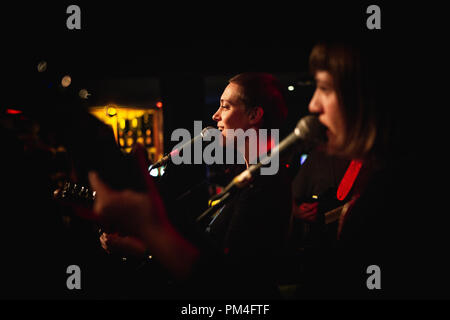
(325, 103)
(231, 113)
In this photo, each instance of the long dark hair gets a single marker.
(358, 79)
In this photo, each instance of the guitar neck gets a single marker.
(75, 192)
(333, 215)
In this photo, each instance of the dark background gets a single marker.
(135, 53)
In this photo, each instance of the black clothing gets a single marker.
(256, 218)
(383, 228)
(248, 240)
(319, 173)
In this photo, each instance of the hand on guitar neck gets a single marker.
(306, 211)
(326, 205)
(123, 246)
(82, 198)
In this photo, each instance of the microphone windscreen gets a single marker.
(207, 131)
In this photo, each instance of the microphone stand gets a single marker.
(163, 161)
(221, 203)
(240, 181)
(308, 129)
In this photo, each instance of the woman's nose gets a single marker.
(216, 116)
(314, 105)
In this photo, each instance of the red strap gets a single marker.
(349, 179)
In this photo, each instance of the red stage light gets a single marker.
(159, 104)
(13, 111)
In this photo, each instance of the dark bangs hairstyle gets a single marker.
(263, 90)
(356, 74)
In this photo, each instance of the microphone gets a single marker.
(163, 161)
(309, 132)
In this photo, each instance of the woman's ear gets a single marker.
(256, 115)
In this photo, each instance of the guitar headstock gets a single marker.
(75, 192)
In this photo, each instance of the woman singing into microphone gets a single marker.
(355, 99)
(250, 230)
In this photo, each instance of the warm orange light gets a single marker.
(66, 81)
(159, 104)
(122, 124)
(111, 111)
